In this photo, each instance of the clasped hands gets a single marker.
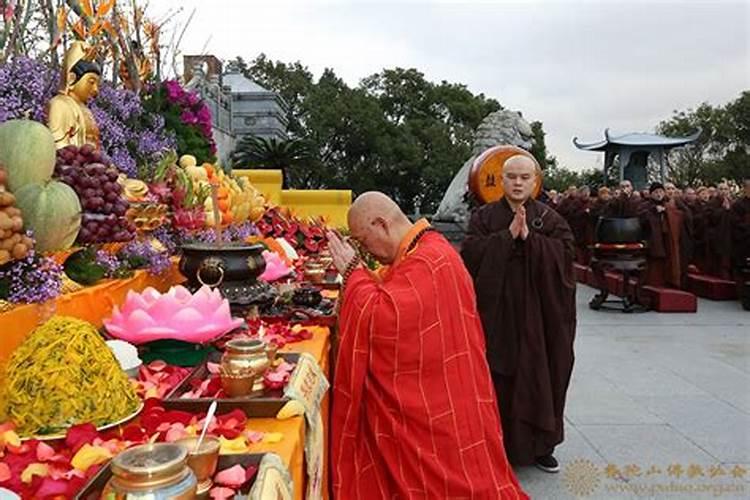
(342, 252)
(518, 226)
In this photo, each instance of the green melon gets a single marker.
(27, 149)
(52, 210)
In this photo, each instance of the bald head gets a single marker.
(373, 204)
(521, 161)
(520, 176)
(378, 224)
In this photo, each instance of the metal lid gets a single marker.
(149, 461)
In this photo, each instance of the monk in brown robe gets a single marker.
(578, 220)
(626, 204)
(741, 242)
(680, 217)
(664, 230)
(700, 228)
(719, 233)
(520, 254)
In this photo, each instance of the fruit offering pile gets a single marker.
(14, 244)
(102, 201)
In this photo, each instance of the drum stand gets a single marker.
(629, 263)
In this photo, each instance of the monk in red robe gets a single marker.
(414, 411)
(520, 254)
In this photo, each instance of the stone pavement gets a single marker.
(658, 407)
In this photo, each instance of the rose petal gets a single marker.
(44, 452)
(51, 488)
(78, 435)
(10, 438)
(233, 476)
(221, 493)
(35, 469)
(236, 445)
(253, 436)
(157, 365)
(213, 368)
(90, 455)
(250, 471)
(272, 437)
(4, 472)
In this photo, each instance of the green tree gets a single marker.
(290, 156)
(396, 132)
(539, 147)
(721, 151)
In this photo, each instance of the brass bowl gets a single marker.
(203, 462)
(271, 351)
(315, 275)
(236, 386)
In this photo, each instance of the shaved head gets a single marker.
(373, 204)
(520, 175)
(378, 224)
(522, 161)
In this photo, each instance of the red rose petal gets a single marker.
(78, 435)
(250, 472)
(52, 487)
(4, 472)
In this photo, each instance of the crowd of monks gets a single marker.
(703, 230)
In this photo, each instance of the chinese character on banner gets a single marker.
(612, 471)
(653, 470)
(716, 470)
(694, 470)
(675, 470)
(738, 471)
(631, 470)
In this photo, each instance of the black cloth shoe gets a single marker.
(547, 463)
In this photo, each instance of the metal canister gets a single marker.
(156, 471)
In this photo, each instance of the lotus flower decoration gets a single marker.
(276, 268)
(177, 314)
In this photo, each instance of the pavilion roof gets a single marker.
(636, 139)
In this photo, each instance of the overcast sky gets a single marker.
(577, 66)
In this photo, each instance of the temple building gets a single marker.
(239, 106)
(630, 154)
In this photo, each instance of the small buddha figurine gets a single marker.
(69, 118)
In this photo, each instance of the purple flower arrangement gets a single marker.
(26, 86)
(110, 263)
(31, 280)
(143, 254)
(234, 233)
(131, 136)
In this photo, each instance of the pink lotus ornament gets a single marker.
(177, 314)
(276, 268)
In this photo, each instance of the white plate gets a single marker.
(52, 437)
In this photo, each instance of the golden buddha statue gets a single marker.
(69, 118)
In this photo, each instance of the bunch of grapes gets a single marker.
(104, 207)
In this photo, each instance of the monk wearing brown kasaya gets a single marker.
(719, 233)
(520, 254)
(625, 204)
(681, 217)
(663, 233)
(698, 205)
(741, 241)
